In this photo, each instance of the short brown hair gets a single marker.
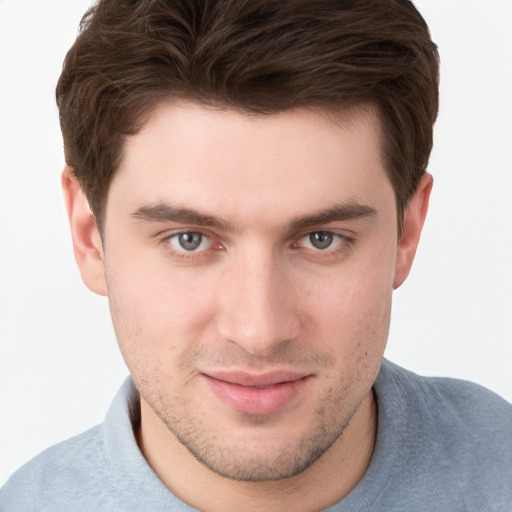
(259, 56)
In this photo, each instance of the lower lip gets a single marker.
(256, 401)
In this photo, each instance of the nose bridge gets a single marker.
(256, 302)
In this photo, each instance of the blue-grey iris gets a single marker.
(190, 241)
(321, 239)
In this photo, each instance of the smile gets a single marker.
(263, 394)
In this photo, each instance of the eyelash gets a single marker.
(344, 242)
(337, 239)
(190, 255)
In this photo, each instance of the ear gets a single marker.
(87, 244)
(414, 218)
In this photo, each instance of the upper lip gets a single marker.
(252, 379)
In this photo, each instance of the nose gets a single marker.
(256, 304)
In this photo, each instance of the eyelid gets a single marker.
(335, 235)
(343, 233)
(203, 240)
(165, 238)
(344, 241)
(169, 233)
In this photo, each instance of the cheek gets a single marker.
(352, 310)
(358, 333)
(158, 315)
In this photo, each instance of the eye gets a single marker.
(189, 241)
(321, 240)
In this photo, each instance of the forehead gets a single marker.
(229, 163)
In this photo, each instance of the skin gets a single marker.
(258, 295)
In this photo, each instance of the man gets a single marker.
(247, 184)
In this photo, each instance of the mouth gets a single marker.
(257, 394)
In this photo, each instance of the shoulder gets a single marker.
(450, 402)
(101, 469)
(453, 434)
(74, 466)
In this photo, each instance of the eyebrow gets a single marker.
(339, 212)
(164, 212)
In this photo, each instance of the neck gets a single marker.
(322, 484)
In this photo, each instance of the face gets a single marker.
(249, 265)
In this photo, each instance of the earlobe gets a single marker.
(414, 218)
(87, 244)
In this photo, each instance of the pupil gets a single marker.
(190, 241)
(321, 239)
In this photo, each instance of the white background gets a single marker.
(59, 363)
